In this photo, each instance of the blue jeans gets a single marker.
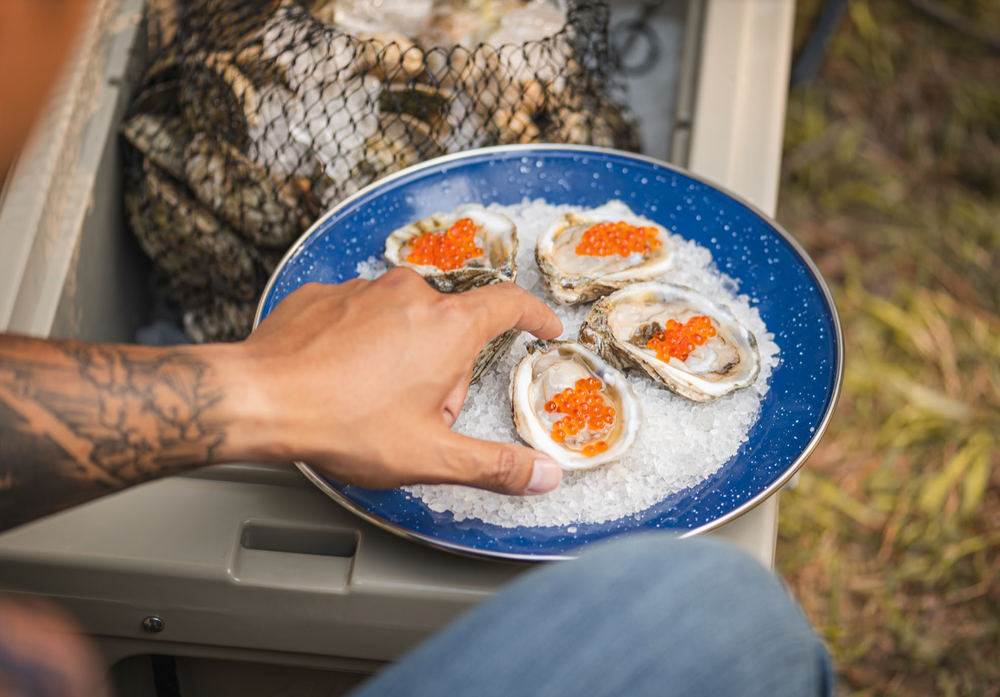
(643, 616)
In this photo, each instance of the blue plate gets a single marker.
(791, 296)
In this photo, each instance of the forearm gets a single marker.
(78, 421)
(362, 380)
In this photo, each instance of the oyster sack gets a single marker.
(254, 117)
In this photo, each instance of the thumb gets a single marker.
(501, 467)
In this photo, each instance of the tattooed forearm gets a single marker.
(81, 420)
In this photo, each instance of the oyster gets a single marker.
(219, 319)
(243, 193)
(401, 141)
(465, 23)
(632, 327)
(185, 240)
(160, 139)
(423, 102)
(404, 17)
(225, 24)
(391, 56)
(583, 256)
(495, 239)
(573, 406)
(494, 349)
(216, 96)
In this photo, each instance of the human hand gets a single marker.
(364, 380)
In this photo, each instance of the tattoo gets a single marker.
(81, 420)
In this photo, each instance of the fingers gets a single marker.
(456, 398)
(504, 306)
(497, 307)
(501, 467)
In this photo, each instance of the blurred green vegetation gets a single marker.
(892, 182)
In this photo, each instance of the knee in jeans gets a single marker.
(694, 573)
(653, 553)
(711, 592)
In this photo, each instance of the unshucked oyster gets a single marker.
(679, 337)
(573, 406)
(583, 256)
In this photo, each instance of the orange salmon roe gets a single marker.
(446, 250)
(679, 340)
(605, 239)
(584, 407)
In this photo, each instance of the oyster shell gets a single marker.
(186, 241)
(160, 139)
(572, 278)
(496, 347)
(620, 325)
(243, 193)
(495, 235)
(217, 97)
(550, 368)
(219, 319)
(391, 56)
(424, 102)
(401, 141)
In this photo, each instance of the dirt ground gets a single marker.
(892, 182)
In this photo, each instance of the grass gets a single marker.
(892, 182)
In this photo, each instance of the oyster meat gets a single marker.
(584, 256)
(493, 249)
(679, 337)
(573, 406)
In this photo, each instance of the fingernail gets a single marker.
(545, 476)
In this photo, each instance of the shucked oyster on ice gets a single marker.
(458, 251)
(454, 255)
(584, 256)
(679, 337)
(573, 406)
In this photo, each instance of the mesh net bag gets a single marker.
(255, 116)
